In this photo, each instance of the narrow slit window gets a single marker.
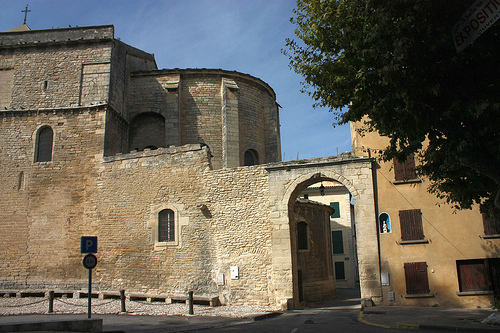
(302, 236)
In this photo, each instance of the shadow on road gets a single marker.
(346, 298)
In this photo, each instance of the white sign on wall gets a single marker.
(476, 20)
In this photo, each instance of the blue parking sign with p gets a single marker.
(88, 244)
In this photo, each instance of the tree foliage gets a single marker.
(394, 62)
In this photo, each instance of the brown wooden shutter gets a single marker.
(406, 169)
(411, 224)
(416, 278)
(491, 226)
(398, 170)
(473, 275)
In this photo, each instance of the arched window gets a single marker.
(251, 157)
(166, 226)
(44, 140)
(147, 130)
(302, 236)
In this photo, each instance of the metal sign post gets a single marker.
(89, 262)
(88, 244)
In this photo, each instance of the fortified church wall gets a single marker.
(88, 88)
(95, 141)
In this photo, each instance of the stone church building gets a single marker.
(176, 171)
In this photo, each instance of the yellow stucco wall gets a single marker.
(452, 235)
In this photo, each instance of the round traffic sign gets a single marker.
(89, 261)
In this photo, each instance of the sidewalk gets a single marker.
(456, 319)
(133, 323)
(404, 317)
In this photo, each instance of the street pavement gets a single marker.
(376, 318)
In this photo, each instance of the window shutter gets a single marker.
(411, 224)
(405, 170)
(336, 206)
(416, 278)
(339, 270)
(491, 226)
(338, 242)
(398, 170)
(473, 275)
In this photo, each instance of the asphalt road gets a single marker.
(305, 322)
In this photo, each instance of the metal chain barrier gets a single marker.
(85, 305)
(146, 303)
(21, 305)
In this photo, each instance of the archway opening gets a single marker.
(327, 267)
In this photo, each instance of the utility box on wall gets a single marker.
(221, 280)
(235, 275)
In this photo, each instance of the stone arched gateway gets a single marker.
(286, 181)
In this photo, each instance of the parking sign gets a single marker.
(88, 244)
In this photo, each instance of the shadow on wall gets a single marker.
(147, 130)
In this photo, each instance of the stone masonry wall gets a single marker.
(60, 35)
(44, 206)
(48, 77)
(258, 131)
(124, 60)
(200, 116)
(238, 200)
(157, 94)
(315, 262)
(222, 220)
(134, 188)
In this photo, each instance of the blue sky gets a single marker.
(242, 35)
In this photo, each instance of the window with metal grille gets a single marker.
(416, 278)
(166, 226)
(405, 170)
(491, 225)
(44, 142)
(411, 225)
(302, 236)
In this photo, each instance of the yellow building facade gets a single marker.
(430, 253)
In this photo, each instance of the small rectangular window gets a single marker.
(491, 225)
(338, 242)
(411, 225)
(416, 278)
(405, 170)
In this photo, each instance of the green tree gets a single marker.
(394, 62)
